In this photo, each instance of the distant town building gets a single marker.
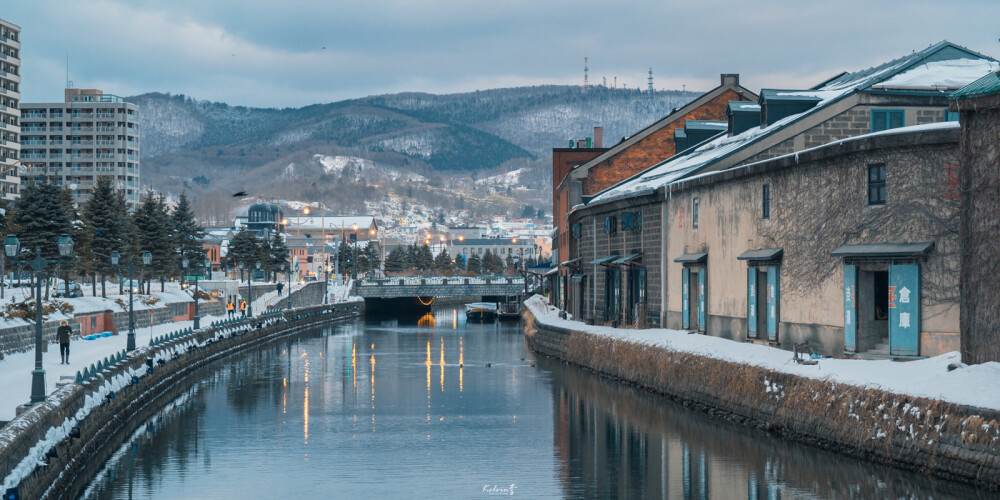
(10, 116)
(264, 219)
(73, 143)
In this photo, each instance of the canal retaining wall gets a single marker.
(54, 448)
(932, 436)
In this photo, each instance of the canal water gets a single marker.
(434, 407)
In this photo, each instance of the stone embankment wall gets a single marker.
(73, 461)
(933, 436)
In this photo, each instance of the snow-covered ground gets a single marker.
(975, 385)
(15, 369)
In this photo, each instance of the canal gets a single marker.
(433, 407)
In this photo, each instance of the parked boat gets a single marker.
(481, 311)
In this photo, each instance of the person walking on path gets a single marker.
(230, 309)
(62, 334)
(243, 308)
(280, 287)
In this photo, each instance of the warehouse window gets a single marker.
(694, 213)
(876, 184)
(766, 202)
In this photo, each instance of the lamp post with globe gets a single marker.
(147, 259)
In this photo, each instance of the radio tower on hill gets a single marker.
(650, 80)
(586, 69)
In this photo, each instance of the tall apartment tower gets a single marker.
(73, 143)
(10, 115)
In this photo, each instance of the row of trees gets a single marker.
(105, 225)
(248, 248)
(420, 258)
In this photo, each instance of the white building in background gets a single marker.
(10, 115)
(73, 143)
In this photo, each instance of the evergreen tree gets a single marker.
(152, 223)
(395, 261)
(492, 263)
(106, 218)
(372, 251)
(475, 264)
(460, 262)
(278, 252)
(45, 213)
(509, 261)
(188, 233)
(411, 256)
(425, 259)
(443, 261)
(345, 254)
(244, 247)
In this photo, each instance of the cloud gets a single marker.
(253, 52)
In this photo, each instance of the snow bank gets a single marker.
(976, 385)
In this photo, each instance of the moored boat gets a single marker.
(481, 311)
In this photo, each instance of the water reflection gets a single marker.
(614, 441)
(297, 420)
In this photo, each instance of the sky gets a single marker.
(291, 53)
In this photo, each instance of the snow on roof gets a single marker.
(683, 165)
(745, 106)
(913, 129)
(952, 74)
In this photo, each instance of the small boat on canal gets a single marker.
(481, 311)
(510, 310)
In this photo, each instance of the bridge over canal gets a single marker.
(418, 293)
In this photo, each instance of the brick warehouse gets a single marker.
(599, 168)
(705, 275)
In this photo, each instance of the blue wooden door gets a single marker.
(752, 302)
(773, 284)
(685, 299)
(904, 309)
(701, 299)
(850, 308)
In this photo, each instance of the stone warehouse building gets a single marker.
(826, 215)
(579, 173)
(73, 143)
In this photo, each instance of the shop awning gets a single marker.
(539, 270)
(884, 250)
(572, 262)
(553, 271)
(604, 260)
(626, 259)
(692, 258)
(762, 254)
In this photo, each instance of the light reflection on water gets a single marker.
(289, 421)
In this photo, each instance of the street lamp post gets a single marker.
(288, 277)
(12, 249)
(184, 264)
(250, 287)
(147, 259)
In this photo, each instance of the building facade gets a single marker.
(10, 114)
(73, 143)
(832, 221)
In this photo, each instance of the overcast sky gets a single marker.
(297, 52)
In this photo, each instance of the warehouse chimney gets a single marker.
(598, 137)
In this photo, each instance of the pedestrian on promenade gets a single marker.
(281, 286)
(230, 308)
(62, 334)
(243, 308)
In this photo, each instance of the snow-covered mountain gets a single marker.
(499, 139)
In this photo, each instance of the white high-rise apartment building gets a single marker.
(10, 116)
(73, 143)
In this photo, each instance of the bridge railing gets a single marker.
(441, 280)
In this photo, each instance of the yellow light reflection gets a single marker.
(284, 395)
(354, 365)
(461, 363)
(373, 390)
(428, 363)
(442, 365)
(454, 319)
(427, 320)
(305, 407)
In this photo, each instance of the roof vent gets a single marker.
(742, 116)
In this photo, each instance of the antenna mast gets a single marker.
(650, 80)
(586, 69)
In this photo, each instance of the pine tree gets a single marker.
(188, 233)
(425, 259)
(395, 261)
(278, 252)
(152, 223)
(244, 247)
(443, 261)
(460, 262)
(106, 218)
(509, 261)
(474, 265)
(372, 252)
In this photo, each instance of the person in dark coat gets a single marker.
(62, 334)
(280, 287)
